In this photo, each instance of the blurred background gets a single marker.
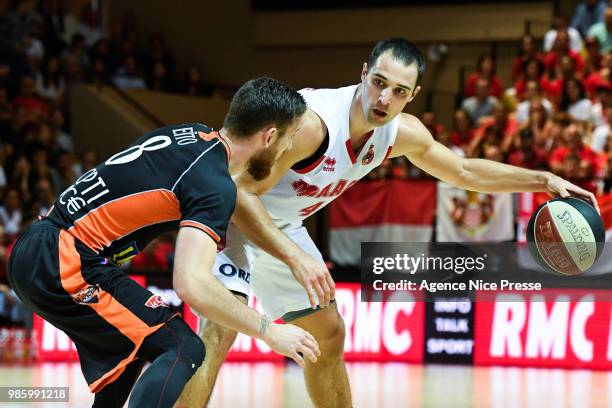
(527, 83)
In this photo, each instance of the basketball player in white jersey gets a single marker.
(346, 133)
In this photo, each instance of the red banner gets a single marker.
(569, 328)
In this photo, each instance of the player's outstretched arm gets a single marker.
(195, 284)
(255, 222)
(416, 143)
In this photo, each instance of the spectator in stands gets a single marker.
(599, 139)
(445, 138)
(157, 52)
(66, 170)
(101, 51)
(77, 51)
(193, 84)
(89, 160)
(11, 213)
(128, 76)
(428, 118)
(463, 131)
(553, 83)
(525, 154)
(560, 23)
(481, 104)
(42, 171)
(62, 138)
(16, 24)
(506, 124)
(600, 77)
(587, 13)
(560, 49)
(492, 136)
(533, 70)
(27, 99)
(6, 107)
(575, 102)
(592, 62)
(44, 197)
(160, 80)
(529, 51)
(573, 144)
(485, 68)
(34, 49)
(98, 73)
(87, 26)
(49, 84)
(73, 73)
(602, 32)
(533, 92)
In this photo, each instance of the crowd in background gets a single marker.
(556, 113)
(44, 52)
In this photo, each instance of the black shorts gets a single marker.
(95, 303)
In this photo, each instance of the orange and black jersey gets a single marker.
(172, 177)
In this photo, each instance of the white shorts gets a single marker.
(246, 269)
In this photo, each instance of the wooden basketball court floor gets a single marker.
(374, 385)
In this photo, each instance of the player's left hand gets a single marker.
(559, 187)
(315, 278)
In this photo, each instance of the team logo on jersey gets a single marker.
(369, 156)
(156, 301)
(329, 164)
(302, 188)
(88, 295)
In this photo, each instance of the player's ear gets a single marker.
(270, 134)
(364, 71)
(415, 93)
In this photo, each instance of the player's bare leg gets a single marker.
(217, 340)
(327, 380)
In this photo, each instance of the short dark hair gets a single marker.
(402, 50)
(260, 102)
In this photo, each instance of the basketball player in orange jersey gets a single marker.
(66, 267)
(346, 133)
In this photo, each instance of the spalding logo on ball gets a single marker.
(566, 236)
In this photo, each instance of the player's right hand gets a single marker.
(315, 278)
(293, 342)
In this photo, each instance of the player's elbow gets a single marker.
(184, 289)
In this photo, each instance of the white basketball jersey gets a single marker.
(302, 193)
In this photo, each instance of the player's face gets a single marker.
(387, 88)
(260, 165)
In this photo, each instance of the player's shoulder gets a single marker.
(412, 136)
(410, 125)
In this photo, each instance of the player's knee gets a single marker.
(335, 343)
(195, 352)
(331, 337)
(189, 346)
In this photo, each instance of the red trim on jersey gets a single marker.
(216, 135)
(201, 227)
(349, 149)
(388, 153)
(311, 167)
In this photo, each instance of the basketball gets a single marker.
(565, 236)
